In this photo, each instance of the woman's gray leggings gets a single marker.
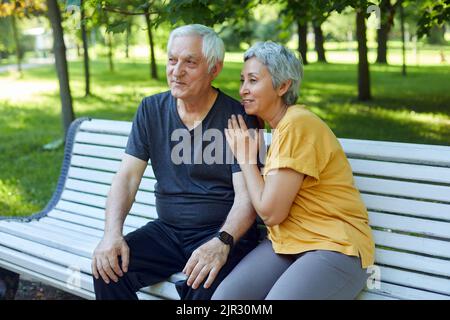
(319, 274)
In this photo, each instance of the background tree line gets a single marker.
(236, 21)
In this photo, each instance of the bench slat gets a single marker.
(408, 224)
(417, 208)
(103, 165)
(147, 184)
(413, 261)
(49, 239)
(65, 231)
(393, 291)
(163, 289)
(45, 252)
(395, 151)
(67, 225)
(103, 189)
(101, 139)
(400, 170)
(107, 126)
(137, 209)
(416, 280)
(398, 241)
(96, 213)
(84, 221)
(403, 189)
(98, 151)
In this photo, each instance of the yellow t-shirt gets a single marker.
(327, 213)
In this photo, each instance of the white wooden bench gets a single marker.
(406, 188)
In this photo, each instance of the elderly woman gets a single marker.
(319, 241)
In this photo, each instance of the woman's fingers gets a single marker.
(235, 123)
(242, 124)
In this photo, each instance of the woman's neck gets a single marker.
(276, 117)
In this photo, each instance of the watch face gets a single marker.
(226, 238)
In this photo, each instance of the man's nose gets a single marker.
(178, 70)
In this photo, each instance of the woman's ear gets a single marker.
(284, 87)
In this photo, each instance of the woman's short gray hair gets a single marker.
(282, 64)
(213, 48)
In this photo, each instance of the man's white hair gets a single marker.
(213, 48)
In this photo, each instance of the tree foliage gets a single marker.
(433, 13)
(22, 8)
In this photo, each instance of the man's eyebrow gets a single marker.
(192, 56)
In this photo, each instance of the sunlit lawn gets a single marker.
(413, 109)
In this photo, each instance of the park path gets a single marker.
(32, 63)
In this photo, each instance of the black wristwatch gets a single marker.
(226, 238)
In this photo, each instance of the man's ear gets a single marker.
(216, 69)
(284, 87)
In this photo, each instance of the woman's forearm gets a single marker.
(255, 186)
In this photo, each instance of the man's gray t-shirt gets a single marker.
(196, 189)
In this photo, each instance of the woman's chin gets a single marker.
(250, 111)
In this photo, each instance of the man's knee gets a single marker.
(120, 290)
(188, 293)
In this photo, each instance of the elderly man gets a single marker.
(206, 222)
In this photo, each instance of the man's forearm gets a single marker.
(120, 199)
(239, 220)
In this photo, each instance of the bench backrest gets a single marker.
(406, 188)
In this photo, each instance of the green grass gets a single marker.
(413, 109)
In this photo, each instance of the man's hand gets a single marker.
(206, 260)
(105, 262)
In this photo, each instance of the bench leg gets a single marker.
(9, 283)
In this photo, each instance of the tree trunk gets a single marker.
(363, 63)
(87, 75)
(17, 43)
(302, 43)
(382, 37)
(318, 37)
(110, 52)
(402, 25)
(387, 11)
(59, 49)
(153, 69)
(127, 41)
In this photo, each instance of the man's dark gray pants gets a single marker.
(158, 250)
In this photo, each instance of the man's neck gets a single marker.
(195, 110)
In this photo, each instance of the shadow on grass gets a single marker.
(352, 121)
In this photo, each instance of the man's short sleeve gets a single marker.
(138, 141)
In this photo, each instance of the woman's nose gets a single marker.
(243, 90)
